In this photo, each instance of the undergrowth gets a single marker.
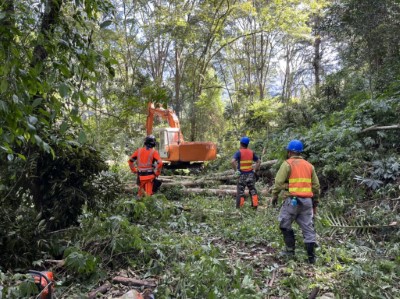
(203, 247)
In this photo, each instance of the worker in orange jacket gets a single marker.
(242, 164)
(148, 165)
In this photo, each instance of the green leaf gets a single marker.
(3, 106)
(106, 53)
(3, 85)
(63, 127)
(64, 90)
(22, 157)
(46, 147)
(33, 120)
(38, 139)
(31, 127)
(36, 102)
(82, 137)
(105, 24)
(15, 99)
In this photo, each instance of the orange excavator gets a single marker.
(175, 152)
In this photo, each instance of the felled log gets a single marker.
(174, 177)
(219, 192)
(230, 187)
(134, 282)
(180, 183)
(102, 290)
(267, 164)
(229, 175)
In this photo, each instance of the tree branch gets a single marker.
(378, 128)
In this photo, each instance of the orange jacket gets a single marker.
(145, 158)
(300, 179)
(246, 160)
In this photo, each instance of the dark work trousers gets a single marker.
(246, 179)
(302, 213)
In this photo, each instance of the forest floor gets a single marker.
(203, 247)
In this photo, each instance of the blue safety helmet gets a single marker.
(295, 146)
(245, 140)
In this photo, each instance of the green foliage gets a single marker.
(369, 31)
(79, 262)
(43, 193)
(17, 286)
(23, 234)
(37, 95)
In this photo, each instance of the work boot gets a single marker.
(290, 242)
(239, 202)
(288, 252)
(310, 247)
(254, 201)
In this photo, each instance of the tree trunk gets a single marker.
(50, 18)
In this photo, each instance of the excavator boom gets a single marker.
(175, 152)
(167, 114)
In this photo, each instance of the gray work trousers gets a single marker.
(302, 214)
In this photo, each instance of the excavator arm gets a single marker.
(167, 114)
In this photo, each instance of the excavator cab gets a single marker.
(168, 138)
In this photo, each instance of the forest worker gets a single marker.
(242, 164)
(146, 158)
(298, 179)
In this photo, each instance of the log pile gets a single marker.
(214, 184)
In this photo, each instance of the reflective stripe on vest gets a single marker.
(146, 165)
(300, 183)
(246, 160)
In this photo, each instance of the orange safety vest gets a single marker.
(246, 160)
(300, 183)
(145, 159)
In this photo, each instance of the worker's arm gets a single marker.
(258, 163)
(234, 164)
(156, 157)
(132, 160)
(281, 179)
(234, 161)
(315, 185)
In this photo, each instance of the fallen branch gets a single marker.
(57, 263)
(271, 282)
(133, 282)
(378, 128)
(102, 290)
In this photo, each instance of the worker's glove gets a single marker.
(237, 173)
(274, 201)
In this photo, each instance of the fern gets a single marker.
(337, 223)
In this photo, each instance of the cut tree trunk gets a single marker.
(134, 282)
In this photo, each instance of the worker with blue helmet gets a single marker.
(242, 164)
(300, 185)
